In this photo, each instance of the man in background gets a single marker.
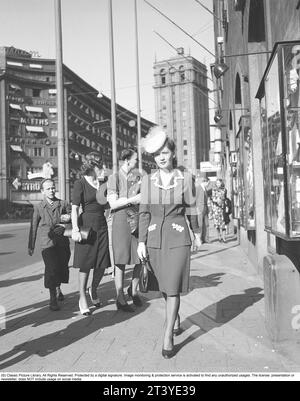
(49, 214)
(202, 207)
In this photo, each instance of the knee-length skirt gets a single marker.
(124, 244)
(171, 268)
(93, 254)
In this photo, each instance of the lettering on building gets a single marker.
(34, 121)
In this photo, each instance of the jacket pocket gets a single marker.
(177, 234)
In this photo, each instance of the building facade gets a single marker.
(28, 126)
(245, 36)
(181, 105)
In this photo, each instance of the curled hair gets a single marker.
(126, 154)
(92, 160)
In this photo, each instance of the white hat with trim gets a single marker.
(154, 140)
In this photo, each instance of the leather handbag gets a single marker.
(85, 232)
(147, 278)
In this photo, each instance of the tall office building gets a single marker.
(181, 104)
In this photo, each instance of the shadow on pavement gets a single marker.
(218, 314)
(75, 331)
(5, 236)
(213, 252)
(212, 280)
(6, 253)
(8, 283)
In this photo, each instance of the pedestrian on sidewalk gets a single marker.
(227, 213)
(48, 214)
(217, 208)
(123, 196)
(202, 208)
(87, 212)
(168, 197)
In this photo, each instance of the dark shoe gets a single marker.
(136, 300)
(168, 354)
(96, 302)
(60, 296)
(124, 308)
(54, 305)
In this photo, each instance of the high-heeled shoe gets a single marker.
(124, 307)
(136, 300)
(95, 302)
(168, 354)
(84, 312)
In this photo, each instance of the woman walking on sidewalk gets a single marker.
(167, 199)
(48, 214)
(217, 208)
(123, 194)
(93, 253)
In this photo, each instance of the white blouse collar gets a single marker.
(157, 182)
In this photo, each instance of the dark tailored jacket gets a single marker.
(47, 216)
(163, 211)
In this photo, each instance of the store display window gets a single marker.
(245, 188)
(279, 94)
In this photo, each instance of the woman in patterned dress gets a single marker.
(217, 208)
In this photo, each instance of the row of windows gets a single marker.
(42, 152)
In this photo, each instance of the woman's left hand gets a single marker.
(196, 243)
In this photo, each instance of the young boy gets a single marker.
(55, 247)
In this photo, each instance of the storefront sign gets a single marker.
(37, 102)
(30, 186)
(15, 99)
(34, 121)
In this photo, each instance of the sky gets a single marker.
(30, 25)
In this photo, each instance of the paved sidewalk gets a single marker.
(222, 317)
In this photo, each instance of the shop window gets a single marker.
(256, 32)
(280, 118)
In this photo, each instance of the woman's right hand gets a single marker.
(142, 251)
(76, 236)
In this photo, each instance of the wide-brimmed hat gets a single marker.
(154, 140)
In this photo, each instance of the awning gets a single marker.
(14, 87)
(53, 110)
(34, 109)
(38, 66)
(34, 129)
(16, 148)
(15, 106)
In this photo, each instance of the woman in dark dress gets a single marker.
(167, 198)
(94, 253)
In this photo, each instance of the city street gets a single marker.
(222, 320)
(13, 247)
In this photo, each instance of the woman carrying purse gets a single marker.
(93, 253)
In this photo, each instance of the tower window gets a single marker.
(163, 76)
